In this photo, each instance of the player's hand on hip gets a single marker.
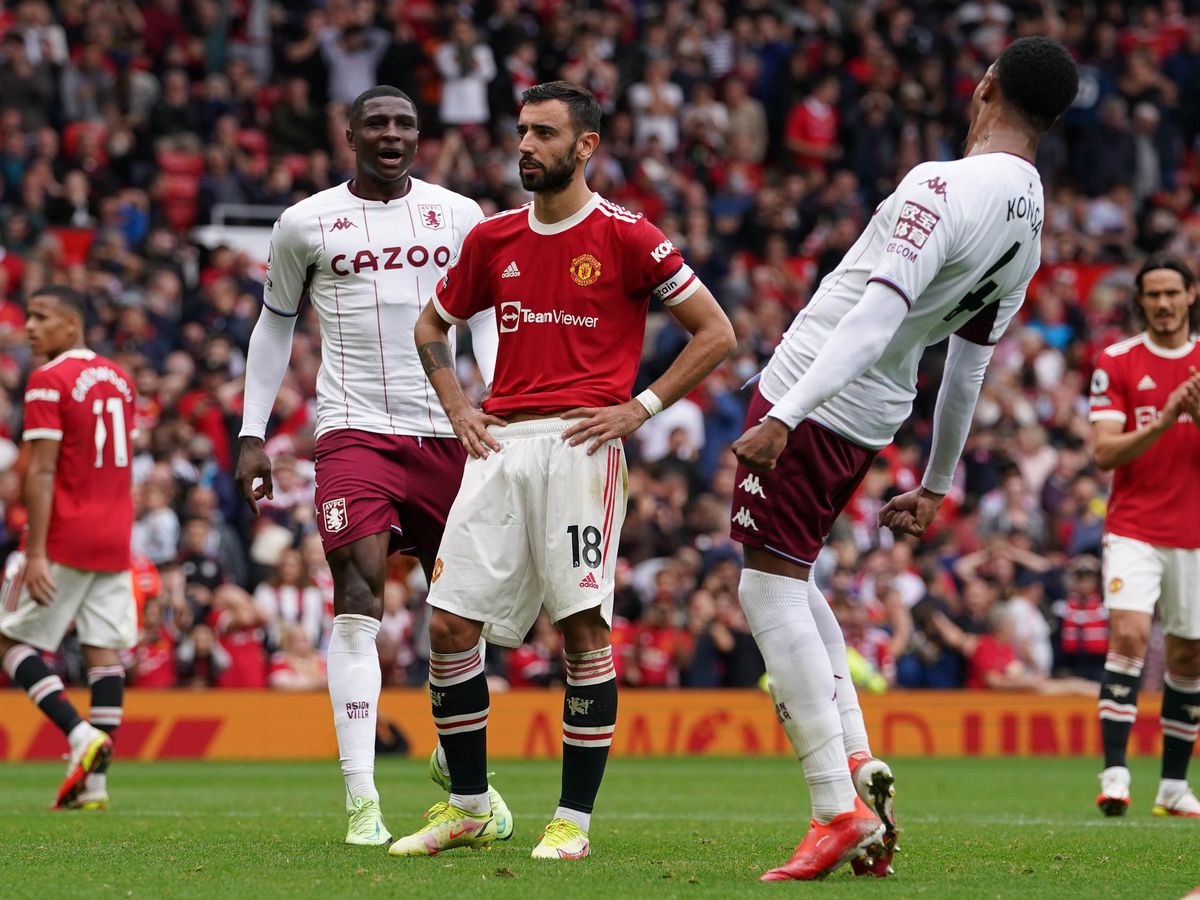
(760, 446)
(601, 424)
(911, 512)
(38, 580)
(253, 464)
(471, 426)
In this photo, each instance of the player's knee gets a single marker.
(1129, 637)
(584, 631)
(449, 633)
(1183, 658)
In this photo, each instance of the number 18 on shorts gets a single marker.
(535, 525)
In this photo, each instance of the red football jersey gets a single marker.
(570, 300)
(86, 402)
(1156, 497)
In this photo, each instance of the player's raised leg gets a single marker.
(1129, 634)
(355, 678)
(1180, 725)
(589, 719)
(460, 701)
(873, 779)
(775, 597)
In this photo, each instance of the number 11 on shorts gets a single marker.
(591, 546)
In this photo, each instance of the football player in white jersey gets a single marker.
(948, 255)
(368, 253)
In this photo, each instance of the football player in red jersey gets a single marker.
(78, 421)
(1145, 414)
(538, 517)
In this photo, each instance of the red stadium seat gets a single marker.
(71, 136)
(180, 213)
(76, 243)
(179, 187)
(253, 141)
(181, 162)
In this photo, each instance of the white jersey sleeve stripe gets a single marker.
(1107, 415)
(42, 434)
(441, 311)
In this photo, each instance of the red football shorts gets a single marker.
(373, 483)
(790, 510)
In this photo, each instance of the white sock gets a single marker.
(443, 766)
(80, 733)
(97, 782)
(801, 679)
(828, 782)
(479, 804)
(854, 730)
(354, 684)
(582, 819)
(1170, 788)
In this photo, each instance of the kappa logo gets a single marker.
(751, 485)
(432, 216)
(589, 581)
(578, 706)
(1146, 384)
(744, 519)
(334, 514)
(1119, 690)
(511, 271)
(342, 224)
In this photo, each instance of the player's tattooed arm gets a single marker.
(435, 355)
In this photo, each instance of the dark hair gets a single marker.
(1156, 262)
(380, 90)
(581, 103)
(1038, 78)
(66, 296)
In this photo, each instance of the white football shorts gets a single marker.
(100, 604)
(534, 525)
(1137, 576)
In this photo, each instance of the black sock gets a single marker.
(108, 694)
(1180, 724)
(1118, 705)
(589, 718)
(458, 693)
(26, 667)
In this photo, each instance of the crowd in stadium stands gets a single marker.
(758, 135)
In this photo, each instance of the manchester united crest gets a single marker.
(437, 571)
(1115, 586)
(334, 514)
(585, 270)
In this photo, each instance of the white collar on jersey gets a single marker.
(1177, 353)
(72, 354)
(563, 224)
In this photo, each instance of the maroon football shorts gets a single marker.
(373, 483)
(790, 510)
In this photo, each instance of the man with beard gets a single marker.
(388, 464)
(1145, 414)
(537, 520)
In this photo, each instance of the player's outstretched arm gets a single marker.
(1113, 447)
(712, 340)
(266, 363)
(432, 337)
(39, 500)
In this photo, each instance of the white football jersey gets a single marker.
(369, 267)
(959, 242)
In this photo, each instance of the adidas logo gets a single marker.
(1146, 384)
(512, 271)
(341, 223)
(590, 582)
(744, 518)
(751, 485)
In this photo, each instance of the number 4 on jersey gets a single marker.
(977, 298)
(120, 446)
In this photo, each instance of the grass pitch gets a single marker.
(665, 828)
